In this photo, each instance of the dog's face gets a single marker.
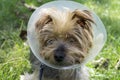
(65, 37)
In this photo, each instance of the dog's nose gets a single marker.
(59, 53)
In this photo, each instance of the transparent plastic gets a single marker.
(99, 31)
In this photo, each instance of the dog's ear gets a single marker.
(84, 18)
(45, 19)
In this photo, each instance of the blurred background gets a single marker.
(14, 54)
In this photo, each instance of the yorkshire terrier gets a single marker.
(65, 39)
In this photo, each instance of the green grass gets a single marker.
(14, 55)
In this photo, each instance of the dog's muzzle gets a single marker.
(59, 53)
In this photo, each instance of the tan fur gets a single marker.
(64, 25)
(74, 31)
(63, 21)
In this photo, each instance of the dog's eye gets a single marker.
(50, 41)
(71, 40)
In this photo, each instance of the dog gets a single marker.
(65, 39)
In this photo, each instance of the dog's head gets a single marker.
(65, 37)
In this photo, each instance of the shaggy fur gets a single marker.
(72, 31)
